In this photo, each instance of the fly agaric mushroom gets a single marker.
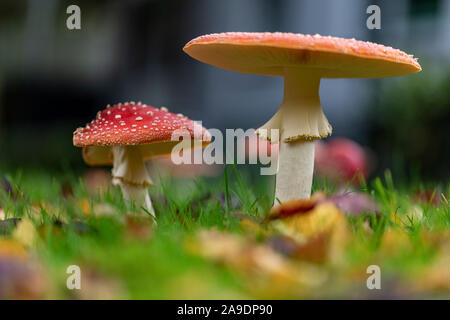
(302, 60)
(126, 135)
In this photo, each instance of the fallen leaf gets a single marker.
(96, 286)
(432, 197)
(21, 279)
(8, 225)
(355, 203)
(323, 217)
(294, 206)
(314, 250)
(85, 206)
(322, 228)
(262, 265)
(138, 227)
(25, 233)
(12, 248)
(394, 240)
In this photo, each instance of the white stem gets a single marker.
(295, 170)
(138, 195)
(130, 173)
(301, 121)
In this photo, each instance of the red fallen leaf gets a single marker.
(292, 207)
(354, 203)
(431, 197)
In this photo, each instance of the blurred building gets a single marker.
(132, 50)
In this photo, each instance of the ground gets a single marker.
(215, 238)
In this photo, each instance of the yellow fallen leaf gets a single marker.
(264, 268)
(251, 227)
(12, 248)
(25, 233)
(320, 219)
(394, 240)
(85, 206)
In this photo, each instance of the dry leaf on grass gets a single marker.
(262, 265)
(12, 248)
(21, 279)
(354, 203)
(25, 233)
(96, 286)
(140, 228)
(315, 224)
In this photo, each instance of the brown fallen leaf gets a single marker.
(264, 268)
(321, 226)
(140, 228)
(314, 250)
(293, 207)
(21, 279)
(96, 286)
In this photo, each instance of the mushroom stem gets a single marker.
(295, 170)
(130, 173)
(301, 121)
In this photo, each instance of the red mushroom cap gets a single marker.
(134, 124)
(271, 53)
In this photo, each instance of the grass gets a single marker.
(123, 260)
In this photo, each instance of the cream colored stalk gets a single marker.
(130, 173)
(301, 121)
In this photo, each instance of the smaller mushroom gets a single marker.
(128, 134)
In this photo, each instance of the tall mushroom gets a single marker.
(126, 135)
(302, 60)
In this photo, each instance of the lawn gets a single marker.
(215, 239)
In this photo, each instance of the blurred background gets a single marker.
(53, 80)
